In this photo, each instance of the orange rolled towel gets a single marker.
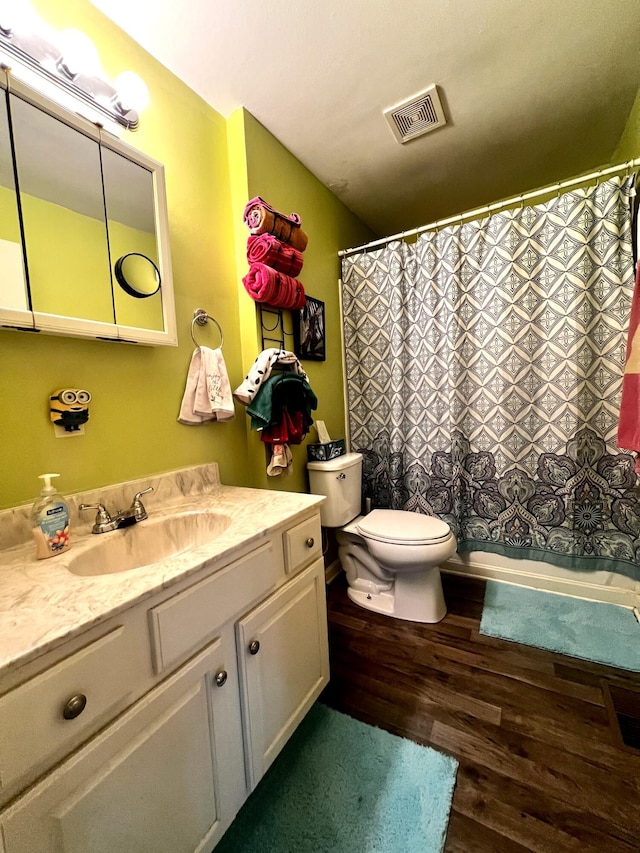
(261, 218)
(267, 285)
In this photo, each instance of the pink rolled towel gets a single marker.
(265, 284)
(267, 249)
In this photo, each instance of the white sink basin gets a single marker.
(148, 542)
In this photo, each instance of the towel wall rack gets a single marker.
(201, 317)
(274, 324)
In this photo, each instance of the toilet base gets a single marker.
(381, 602)
(416, 597)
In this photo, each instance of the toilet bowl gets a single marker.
(391, 557)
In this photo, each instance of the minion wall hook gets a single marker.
(69, 411)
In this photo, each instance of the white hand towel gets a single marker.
(207, 395)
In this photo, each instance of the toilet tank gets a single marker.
(340, 479)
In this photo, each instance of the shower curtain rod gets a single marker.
(492, 208)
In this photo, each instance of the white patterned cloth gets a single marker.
(261, 371)
(207, 394)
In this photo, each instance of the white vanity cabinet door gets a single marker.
(165, 777)
(284, 674)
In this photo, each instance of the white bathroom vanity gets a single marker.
(140, 706)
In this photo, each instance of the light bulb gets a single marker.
(79, 54)
(132, 91)
(19, 17)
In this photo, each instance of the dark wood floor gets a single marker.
(539, 766)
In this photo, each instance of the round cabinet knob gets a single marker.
(221, 677)
(254, 647)
(74, 706)
(310, 542)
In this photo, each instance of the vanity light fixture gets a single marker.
(73, 65)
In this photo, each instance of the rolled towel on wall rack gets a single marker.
(261, 218)
(267, 249)
(267, 285)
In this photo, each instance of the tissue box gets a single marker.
(324, 452)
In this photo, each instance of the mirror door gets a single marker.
(129, 199)
(65, 231)
(15, 303)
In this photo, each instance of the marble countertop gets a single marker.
(42, 604)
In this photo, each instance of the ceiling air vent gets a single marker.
(416, 115)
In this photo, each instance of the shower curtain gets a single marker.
(484, 366)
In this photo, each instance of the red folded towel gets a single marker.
(267, 249)
(265, 284)
(629, 424)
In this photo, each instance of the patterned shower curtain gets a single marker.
(484, 367)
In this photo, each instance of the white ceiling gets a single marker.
(535, 91)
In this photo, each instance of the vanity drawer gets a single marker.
(90, 686)
(302, 544)
(185, 622)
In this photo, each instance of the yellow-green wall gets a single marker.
(137, 391)
(269, 170)
(629, 145)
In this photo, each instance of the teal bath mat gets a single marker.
(340, 786)
(592, 630)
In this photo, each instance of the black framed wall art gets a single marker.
(309, 331)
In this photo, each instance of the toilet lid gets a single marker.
(397, 525)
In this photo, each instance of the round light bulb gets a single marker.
(79, 53)
(20, 17)
(132, 91)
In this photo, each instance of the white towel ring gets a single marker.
(201, 317)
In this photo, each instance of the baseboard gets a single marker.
(332, 571)
(539, 580)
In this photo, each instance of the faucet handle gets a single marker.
(103, 522)
(102, 516)
(137, 506)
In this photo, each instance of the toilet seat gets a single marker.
(402, 527)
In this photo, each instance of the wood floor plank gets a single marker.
(508, 664)
(613, 800)
(431, 688)
(539, 767)
(466, 835)
(527, 815)
(390, 683)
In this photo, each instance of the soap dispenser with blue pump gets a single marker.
(50, 521)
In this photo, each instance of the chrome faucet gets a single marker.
(122, 518)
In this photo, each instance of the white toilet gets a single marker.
(391, 557)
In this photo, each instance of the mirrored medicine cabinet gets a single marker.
(84, 247)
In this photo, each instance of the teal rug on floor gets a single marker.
(340, 786)
(591, 630)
